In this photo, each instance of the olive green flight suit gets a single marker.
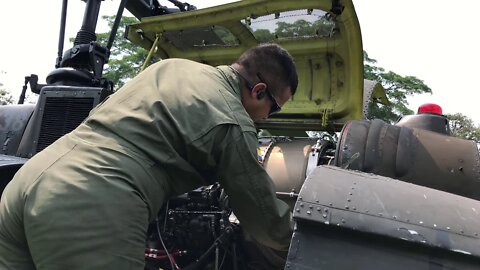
(86, 200)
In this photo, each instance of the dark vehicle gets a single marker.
(365, 194)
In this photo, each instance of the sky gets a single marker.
(436, 41)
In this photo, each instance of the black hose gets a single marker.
(200, 262)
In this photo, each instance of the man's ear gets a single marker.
(260, 95)
(259, 90)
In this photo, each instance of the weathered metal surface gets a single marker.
(9, 165)
(13, 120)
(426, 121)
(342, 212)
(414, 155)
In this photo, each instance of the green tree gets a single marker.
(463, 127)
(126, 59)
(5, 97)
(263, 35)
(397, 88)
(299, 28)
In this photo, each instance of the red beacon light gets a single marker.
(430, 108)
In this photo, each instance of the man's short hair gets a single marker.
(274, 64)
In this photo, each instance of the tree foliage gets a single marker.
(463, 127)
(126, 58)
(397, 88)
(5, 97)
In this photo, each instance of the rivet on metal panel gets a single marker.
(330, 204)
(350, 193)
(476, 234)
(343, 220)
(324, 216)
(348, 200)
(300, 198)
(435, 225)
(298, 210)
(366, 211)
(319, 209)
(448, 228)
(354, 208)
(325, 209)
(317, 201)
(394, 217)
(461, 231)
(308, 212)
(301, 205)
(380, 214)
(310, 206)
(346, 207)
(420, 222)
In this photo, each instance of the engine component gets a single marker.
(289, 160)
(428, 117)
(194, 231)
(414, 155)
(59, 110)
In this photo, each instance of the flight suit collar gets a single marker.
(233, 79)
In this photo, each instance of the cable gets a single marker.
(164, 247)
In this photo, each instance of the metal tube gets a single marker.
(90, 16)
(118, 18)
(61, 37)
(150, 53)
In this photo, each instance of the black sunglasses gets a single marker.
(275, 108)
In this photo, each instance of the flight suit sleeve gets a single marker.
(251, 191)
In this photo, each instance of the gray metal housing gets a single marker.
(352, 220)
